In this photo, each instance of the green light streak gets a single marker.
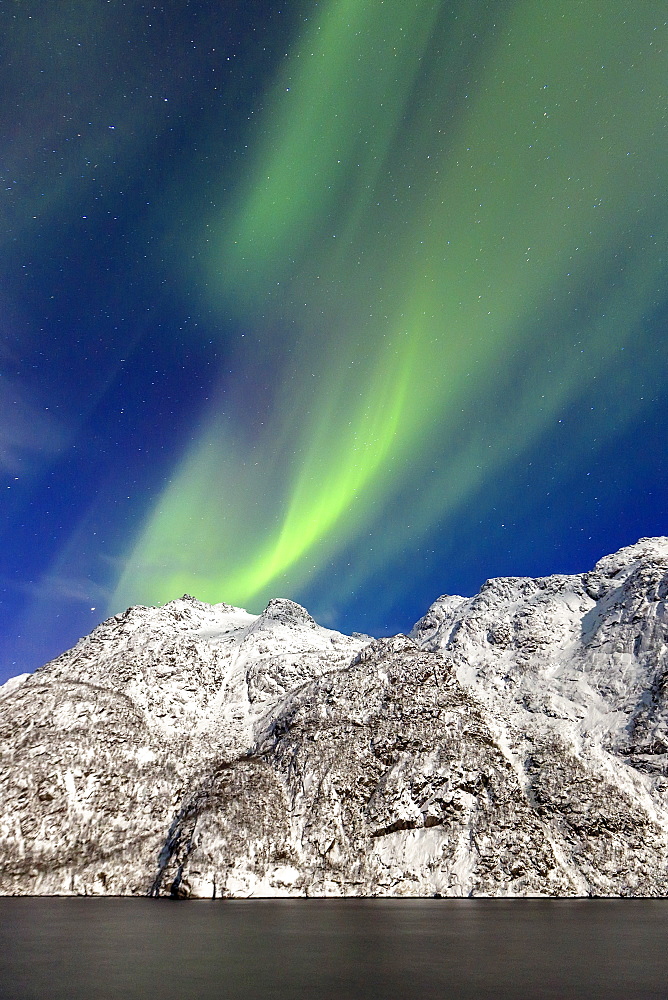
(417, 255)
(331, 121)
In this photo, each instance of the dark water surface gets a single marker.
(333, 949)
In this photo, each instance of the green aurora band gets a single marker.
(430, 205)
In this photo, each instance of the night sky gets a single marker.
(355, 302)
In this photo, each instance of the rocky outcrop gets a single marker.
(516, 743)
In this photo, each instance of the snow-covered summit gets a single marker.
(648, 550)
(193, 668)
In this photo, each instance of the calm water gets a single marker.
(362, 949)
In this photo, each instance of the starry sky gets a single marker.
(356, 302)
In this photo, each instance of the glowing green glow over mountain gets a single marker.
(420, 251)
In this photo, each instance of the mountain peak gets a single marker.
(286, 612)
(650, 550)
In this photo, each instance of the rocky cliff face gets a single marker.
(515, 743)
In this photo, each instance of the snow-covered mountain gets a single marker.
(515, 743)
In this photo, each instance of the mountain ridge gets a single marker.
(514, 743)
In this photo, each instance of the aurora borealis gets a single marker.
(356, 303)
